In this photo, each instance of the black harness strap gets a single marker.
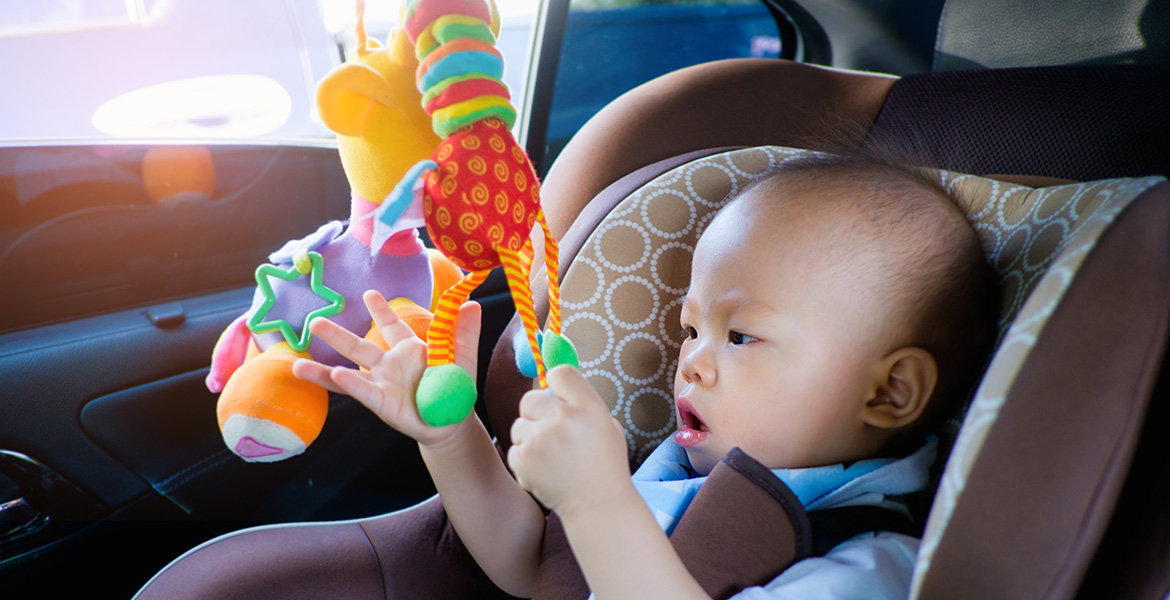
(832, 526)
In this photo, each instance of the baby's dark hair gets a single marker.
(944, 289)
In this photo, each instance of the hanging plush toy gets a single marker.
(479, 195)
(265, 413)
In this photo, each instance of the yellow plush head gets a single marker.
(371, 102)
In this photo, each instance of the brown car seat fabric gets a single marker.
(976, 34)
(1076, 122)
(504, 381)
(736, 102)
(1133, 560)
(1045, 486)
(649, 125)
(410, 554)
(623, 290)
(1036, 238)
(743, 528)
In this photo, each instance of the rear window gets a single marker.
(213, 97)
(88, 229)
(612, 46)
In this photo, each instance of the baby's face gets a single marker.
(778, 356)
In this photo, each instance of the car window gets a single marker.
(88, 229)
(145, 153)
(516, 21)
(611, 46)
(163, 148)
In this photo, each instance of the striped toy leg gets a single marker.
(556, 349)
(526, 256)
(552, 267)
(440, 336)
(522, 297)
(446, 393)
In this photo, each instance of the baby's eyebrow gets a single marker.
(744, 303)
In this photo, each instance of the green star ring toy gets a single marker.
(314, 267)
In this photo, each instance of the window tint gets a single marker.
(25, 15)
(611, 46)
(89, 229)
(162, 70)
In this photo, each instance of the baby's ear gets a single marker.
(907, 378)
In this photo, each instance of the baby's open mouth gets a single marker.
(691, 429)
(690, 420)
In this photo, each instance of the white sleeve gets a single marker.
(867, 567)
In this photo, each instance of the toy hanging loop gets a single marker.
(359, 30)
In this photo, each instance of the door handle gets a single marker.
(18, 518)
(43, 497)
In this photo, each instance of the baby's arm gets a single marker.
(501, 525)
(571, 455)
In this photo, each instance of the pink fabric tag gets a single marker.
(404, 243)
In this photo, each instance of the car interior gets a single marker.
(1046, 119)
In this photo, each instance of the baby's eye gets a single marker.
(738, 339)
(690, 333)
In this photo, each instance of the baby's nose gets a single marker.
(696, 366)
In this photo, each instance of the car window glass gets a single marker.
(86, 229)
(214, 97)
(611, 46)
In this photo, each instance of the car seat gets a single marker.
(1053, 489)
(1005, 33)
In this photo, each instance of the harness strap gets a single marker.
(831, 526)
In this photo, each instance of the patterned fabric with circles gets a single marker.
(1037, 239)
(622, 295)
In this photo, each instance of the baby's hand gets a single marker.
(388, 384)
(566, 449)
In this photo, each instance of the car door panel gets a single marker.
(103, 366)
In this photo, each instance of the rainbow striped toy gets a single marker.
(480, 195)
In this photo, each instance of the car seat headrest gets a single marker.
(976, 34)
(629, 260)
(1075, 122)
(622, 294)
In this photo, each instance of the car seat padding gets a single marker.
(1076, 122)
(503, 378)
(727, 103)
(1007, 33)
(1029, 528)
(412, 553)
(743, 528)
(1021, 230)
(1131, 561)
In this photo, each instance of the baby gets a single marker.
(837, 312)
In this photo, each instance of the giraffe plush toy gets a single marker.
(423, 135)
(479, 194)
(265, 413)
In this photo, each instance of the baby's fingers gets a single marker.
(361, 388)
(570, 385)
(315, 372)
(392, 328)
(361, 351)
(467, 327)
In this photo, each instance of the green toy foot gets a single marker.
(558, 350)
(446, 395)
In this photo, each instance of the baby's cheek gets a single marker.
(765, 437)
(701, 462)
